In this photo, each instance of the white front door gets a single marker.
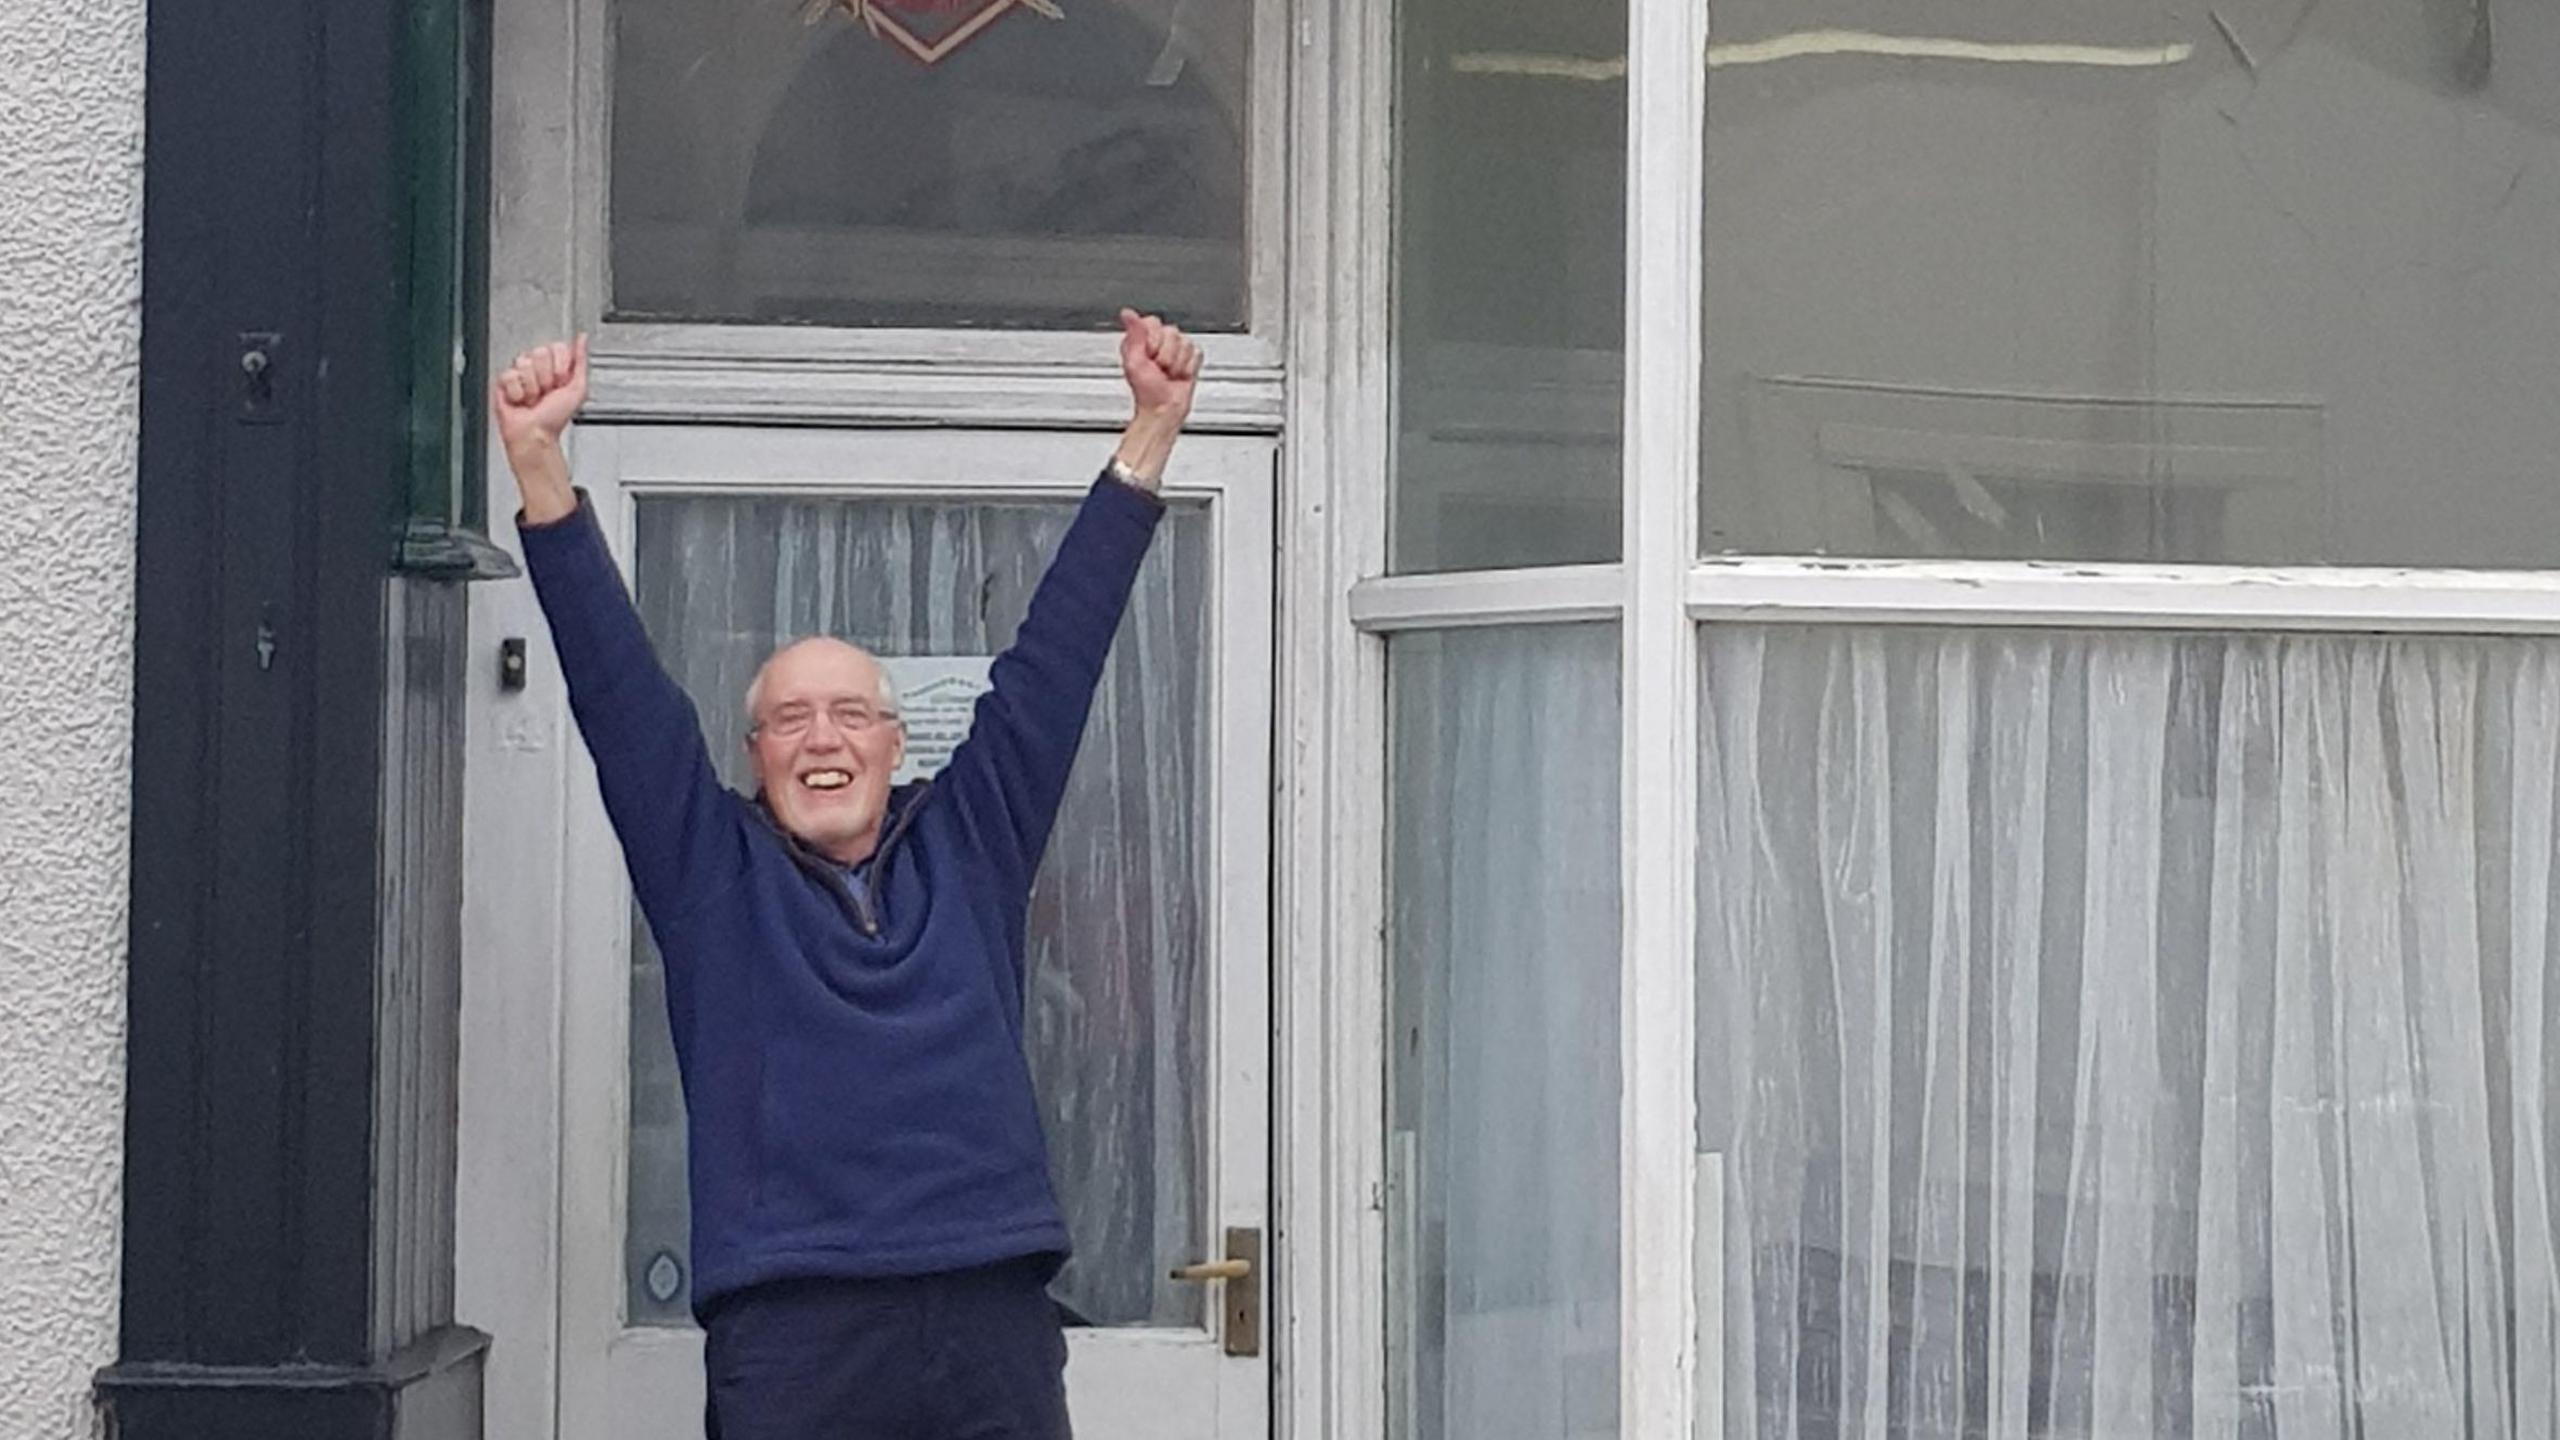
(1149, 1011)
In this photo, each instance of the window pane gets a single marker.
(2257, 282)
(1502, 1071)
(2132, 1034)
(1119, 932)
(1510, 136)
(773, 167)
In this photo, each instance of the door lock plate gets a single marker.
(1240, 1296)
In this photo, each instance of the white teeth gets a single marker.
(826, 779)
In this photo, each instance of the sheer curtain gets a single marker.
(1119, 931)
(1503, 1071)
(2132, 1035)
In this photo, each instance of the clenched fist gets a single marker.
(1162, 366)
(537, 397)
(1161, 363)
(533, 402)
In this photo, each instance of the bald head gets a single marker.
(822, 652)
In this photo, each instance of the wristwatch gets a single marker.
(1118, 469)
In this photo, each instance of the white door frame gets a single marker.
(1324, 233)
(571, 876)
(1329, 1162)
(618, 1381)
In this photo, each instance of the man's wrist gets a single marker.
(1145, 447)
(542, 480)
(532, 449)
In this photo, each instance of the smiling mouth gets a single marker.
(826, 779)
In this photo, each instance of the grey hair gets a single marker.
(888, 684)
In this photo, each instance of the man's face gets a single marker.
(824, 745)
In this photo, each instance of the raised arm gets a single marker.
(1011, 773)
(682, 834)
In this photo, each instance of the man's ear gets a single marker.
(898, 751)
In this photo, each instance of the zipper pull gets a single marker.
(861, 907)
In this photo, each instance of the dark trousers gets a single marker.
(966, 1355)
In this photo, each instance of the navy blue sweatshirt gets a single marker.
(854, 1077)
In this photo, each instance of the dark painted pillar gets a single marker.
(296, 854)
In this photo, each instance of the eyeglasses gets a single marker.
(853, 717)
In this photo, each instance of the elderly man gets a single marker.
(873, 1223)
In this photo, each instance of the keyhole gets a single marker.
(266, 646)
(259, 403)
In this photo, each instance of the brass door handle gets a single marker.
(1240, 1304)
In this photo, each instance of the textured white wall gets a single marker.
(70, 335)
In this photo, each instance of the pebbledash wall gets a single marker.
(71, 104)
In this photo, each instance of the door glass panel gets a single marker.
(2116, 1035)
(1119, 925)
(784, 162)
(2254, 281)
(1503, 1056)
(1510, 263)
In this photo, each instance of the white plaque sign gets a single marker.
(938, 694)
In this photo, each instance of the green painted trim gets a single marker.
(443, 110)
(439, 550)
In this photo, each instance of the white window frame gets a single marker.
(764, 373)
(1329, 1070)
(1663, 592)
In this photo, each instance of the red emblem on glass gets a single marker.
(931, 29)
